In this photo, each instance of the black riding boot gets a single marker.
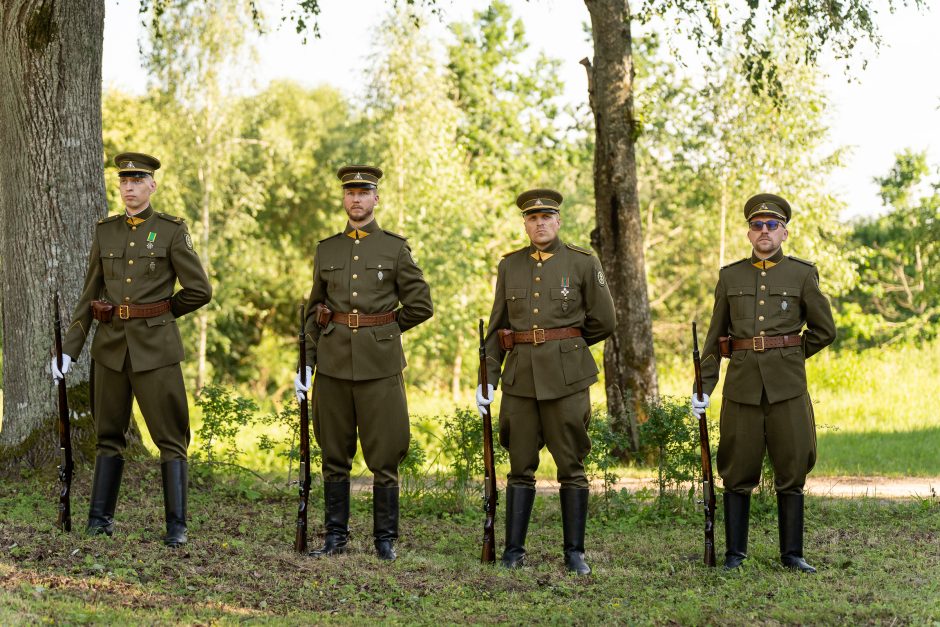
(385, 521)
(574, 507)
(175, 489)
(737, 513)
(519, 500)
(104, 495)
(335, 519)
(790, 521)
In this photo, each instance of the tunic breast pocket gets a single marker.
(565, 298)
(112, 262)
(741, 302)
(517, 301)
(784, 302)
(332, 274)
(154, 262)
(380, 273)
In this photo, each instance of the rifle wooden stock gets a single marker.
(303, 472)
(488, 554)
(67, 467)
(708, 480)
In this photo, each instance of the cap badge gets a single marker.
(358, 176)
(764, 207)
(128, 164)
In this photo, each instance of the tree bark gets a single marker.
(629, 361)
(51, 189)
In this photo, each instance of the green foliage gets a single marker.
(898, 298)
(607, 446)
(286, 445)
(462, 447)
(671, 436)
(224, 415)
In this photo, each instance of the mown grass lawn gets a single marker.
(879, 563)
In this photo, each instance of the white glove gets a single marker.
(699, 406)
(483, 403)
(58, 375)
(301, 387)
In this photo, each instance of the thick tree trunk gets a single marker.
(629, 362)
(51, 189)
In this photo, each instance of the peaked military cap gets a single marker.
(767, 204)
(539, 201)
(136, 163)
(365, 176)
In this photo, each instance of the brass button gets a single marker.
(133, 228)
(128, 280)
(537, 279)
(763, 273)
(151, 253)
(355, 311)
(535, 326)
(132, 243)
(763, 287)
(535, 295)
(355, 293)
(127, 298)
(513, 298)
(131, 262)
(538, 265)
(355, 330)
(357, 242)
(110, 254)
(356, 258)
(761, 318)
(761, 303)
(763, 332)
(355, 276)
(784, 293)
(380, 265)
(536, 310)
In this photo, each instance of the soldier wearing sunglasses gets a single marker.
(769, 317)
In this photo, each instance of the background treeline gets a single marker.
(460, 126)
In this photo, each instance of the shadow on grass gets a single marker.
(886, 453)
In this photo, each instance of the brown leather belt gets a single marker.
(761, 343)
(540, 336)
(356, 320)
(104, 311)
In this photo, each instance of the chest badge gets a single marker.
(380, 275)
(784, 305)
(153, 266)
(565, 284)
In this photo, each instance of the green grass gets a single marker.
(878, 563)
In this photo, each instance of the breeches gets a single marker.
(161, 396)
(377, 409)
(527, 424)
(787, 430)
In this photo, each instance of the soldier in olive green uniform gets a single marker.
(763, 303)
(136, 259)
(367, 290)
(551, 304)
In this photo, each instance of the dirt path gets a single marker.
(843, 487)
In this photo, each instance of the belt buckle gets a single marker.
(754, 343)
(350, 318)
(124, 312)
(538, 336)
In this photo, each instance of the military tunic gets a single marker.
(545, 386)
(140, 357)
(766, 403)
(358, 383)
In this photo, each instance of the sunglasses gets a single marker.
(758, 225)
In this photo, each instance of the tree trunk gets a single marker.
(629, 361)
(51, 189)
